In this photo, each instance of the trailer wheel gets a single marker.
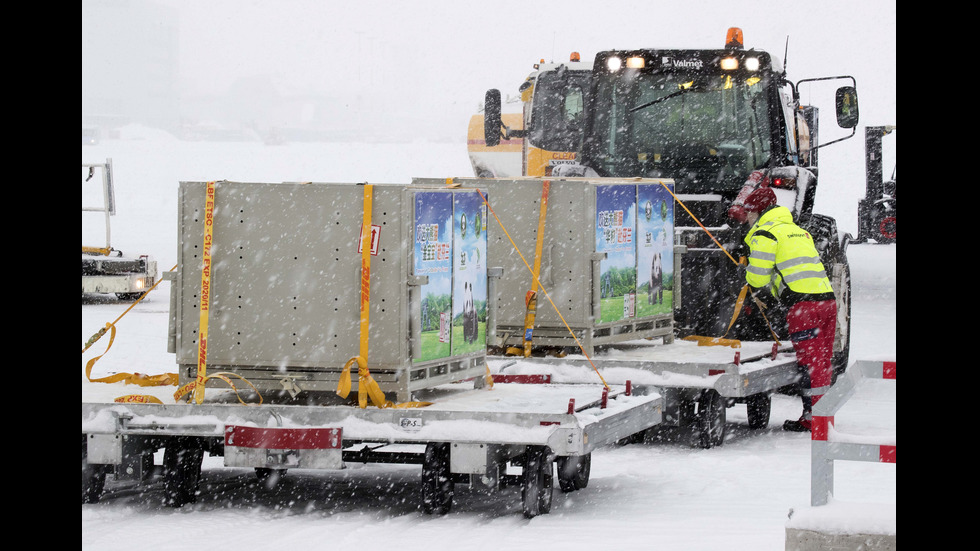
(758, 408)
(711, 418)
(93, 477)
(182, 472)
(437, 481)
(537, 486)
(573, 472)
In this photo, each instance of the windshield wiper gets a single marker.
(658, 100)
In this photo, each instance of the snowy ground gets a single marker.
(656, 494)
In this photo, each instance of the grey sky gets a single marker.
(435, 59)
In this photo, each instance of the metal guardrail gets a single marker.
(826, 446)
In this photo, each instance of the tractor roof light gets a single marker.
(733, 39)
(729, 64)
(614, 64)
(575, 57)
(752, 63)
(635, 62)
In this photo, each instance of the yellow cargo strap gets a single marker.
(104, 251)
(195, 389)
(532, 294)
(94, 338)
(165, 379)
(367, 387)
(128, 378)
(695, 218)
(531, 299)
(545, 291)
(190, 387)
(711, 341)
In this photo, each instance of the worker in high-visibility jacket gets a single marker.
(784, 264)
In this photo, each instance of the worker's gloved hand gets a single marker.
(763, 299)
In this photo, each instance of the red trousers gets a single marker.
(811, 328)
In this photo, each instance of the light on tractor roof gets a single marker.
(574, 57)
(635, 62)
(734, 38)
(752, 63)
(729, 64)
(614, 64)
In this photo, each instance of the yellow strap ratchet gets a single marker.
(545, 291)
(367, 387)
(128, 378)
(532, 296)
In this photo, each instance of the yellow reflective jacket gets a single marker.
(784, 259)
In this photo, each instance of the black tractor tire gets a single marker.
(834, 258)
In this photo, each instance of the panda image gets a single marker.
(470, 324)
(656, 294)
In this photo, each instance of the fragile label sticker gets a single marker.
(375, 239)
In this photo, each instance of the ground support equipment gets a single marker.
(106, 270)
(468, 435)
(697, 383)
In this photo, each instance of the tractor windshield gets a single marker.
(559, 110)
(708, 132)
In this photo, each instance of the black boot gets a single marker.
(801, 425)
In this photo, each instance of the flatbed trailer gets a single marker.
(466, 429)
(697, 383)
(469, 434)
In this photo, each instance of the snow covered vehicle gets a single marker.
(719, 123)
(542, 130)
(104, 269)
(877, 212)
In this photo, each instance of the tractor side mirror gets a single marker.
(847, 107)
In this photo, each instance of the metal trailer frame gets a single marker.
(125, 277)
(696, 391)
(287, 302)
(569, 271)
(120, 439)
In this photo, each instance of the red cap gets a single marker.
(760, 199)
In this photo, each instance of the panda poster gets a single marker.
(433, 258)
(654, 250)
(469, 273)
(615, 236)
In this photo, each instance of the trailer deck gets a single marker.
(469, 433)
(698, 383)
